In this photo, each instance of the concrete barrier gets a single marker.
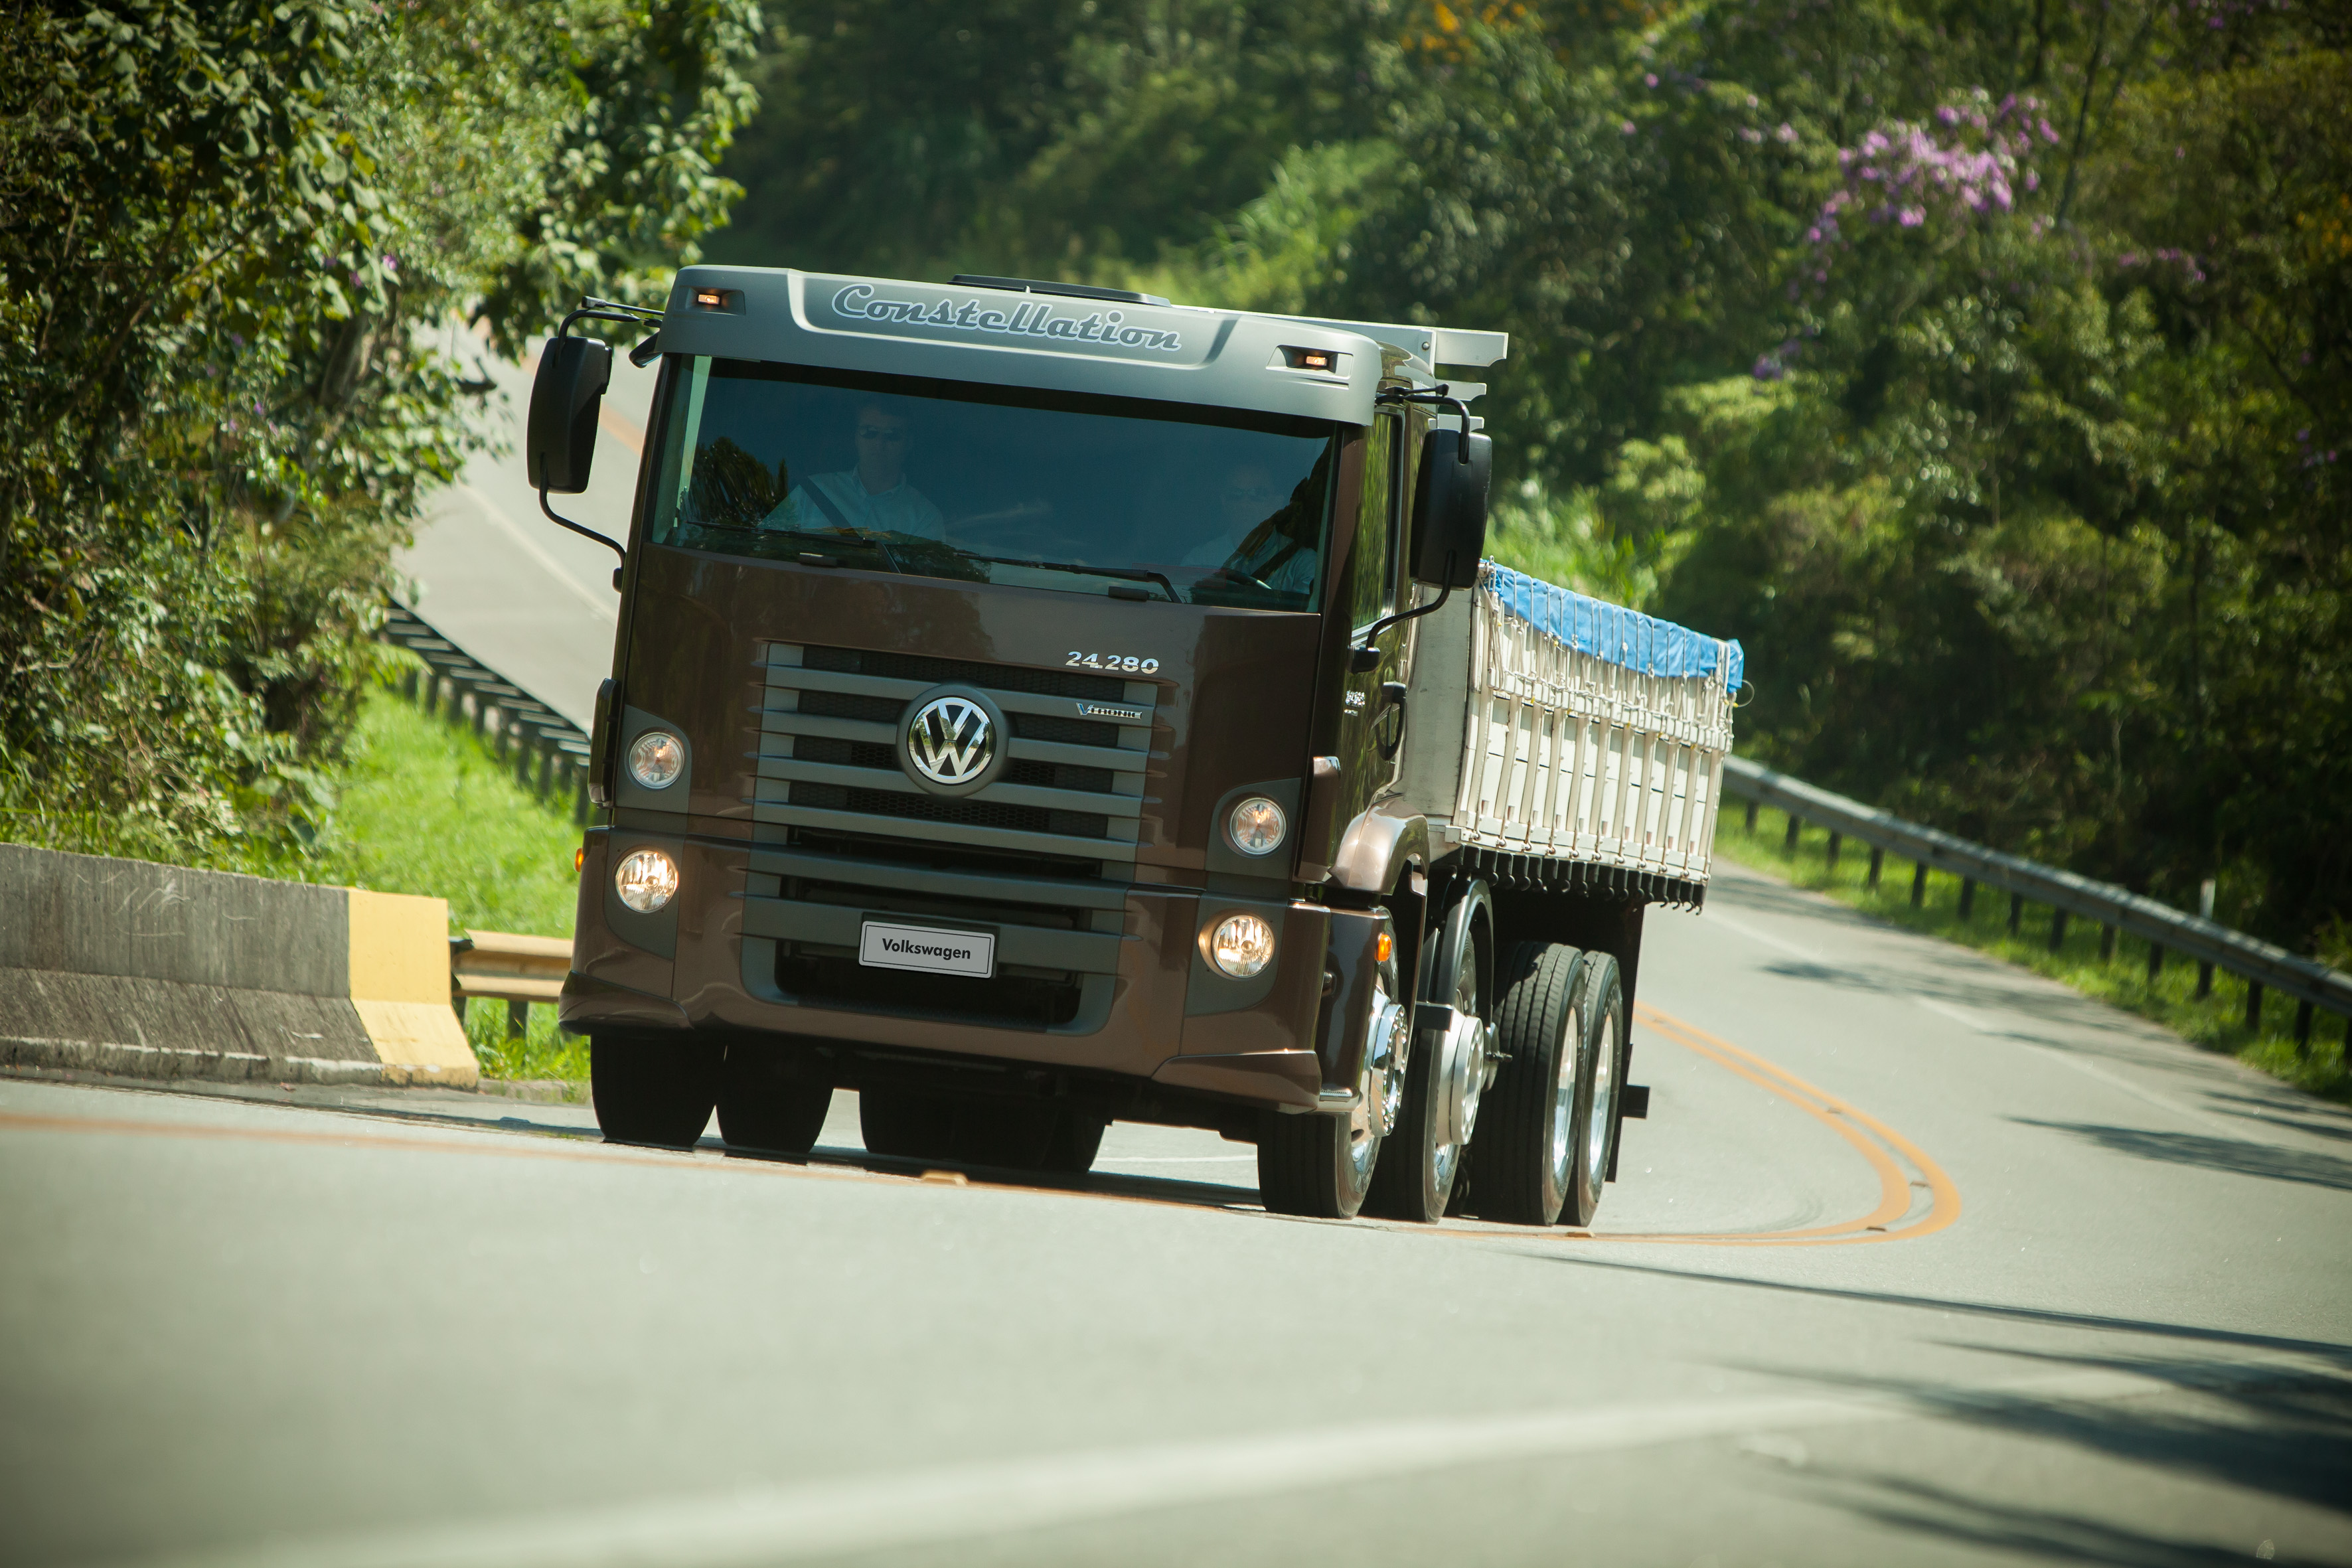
(129, 968)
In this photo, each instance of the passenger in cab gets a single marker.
(1266, 537)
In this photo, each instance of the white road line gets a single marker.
(1810, 955)
(606, 610)
(953, 1503)
(2067, 1058)
(1174, 1159)
(1971, 1020)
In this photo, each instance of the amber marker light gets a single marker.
(1384, 948)
(580, 859)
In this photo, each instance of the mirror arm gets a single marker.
(1444, 592)
(1442, 396)
(613, 545)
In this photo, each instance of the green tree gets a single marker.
(232, 234)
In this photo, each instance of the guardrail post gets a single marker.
(2254, 1006)
(1968, 896)
(2302, 1027)
(408, 684)
(1751, 816)
(580, 803)
(1919, 886)
(2204, 981)
(1835, 839)
(1796, 823)
(2057, 929)
(518, 1019)
(1877, 861)
(2016, 912)
(2107, 945)
(2155, 959)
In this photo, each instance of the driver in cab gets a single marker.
(873, 498)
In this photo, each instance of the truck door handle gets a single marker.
(1393, 694)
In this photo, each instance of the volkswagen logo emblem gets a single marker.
(951, 741)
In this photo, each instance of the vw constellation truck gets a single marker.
(1036, 706)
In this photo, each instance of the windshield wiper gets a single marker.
(866, 539)
(1127, 573)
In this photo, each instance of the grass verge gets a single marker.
(2215, 1022)
(426, 807)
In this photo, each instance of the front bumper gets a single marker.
(1102, 979)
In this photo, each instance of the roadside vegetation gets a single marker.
(1981, 367)
(2215, 1022)
(240, 242)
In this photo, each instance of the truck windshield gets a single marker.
(1041, 489)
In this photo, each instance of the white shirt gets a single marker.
(902, 508)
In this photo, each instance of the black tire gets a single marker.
(1077, 1138)
(1526, 1142)
(906, 1126)
(656, 1089)
(771, 1098)
(980, 1130)
(1306, 1165)
(1599, 1004)
(1416, 1181)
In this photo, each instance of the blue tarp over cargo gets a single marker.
(1612, 631)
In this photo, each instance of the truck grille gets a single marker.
(829, 742)
(1039, 858)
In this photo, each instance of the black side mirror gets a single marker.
(560, 440)
(1449, 507)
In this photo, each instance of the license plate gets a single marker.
(927, 949)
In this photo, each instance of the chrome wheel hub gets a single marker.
(1380, 1092)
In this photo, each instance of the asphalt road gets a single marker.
(2106, 1322)
(1919, 1259)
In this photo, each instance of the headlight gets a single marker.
(1256, 826)
(645, 879)
(1241, 945)
(656, 758)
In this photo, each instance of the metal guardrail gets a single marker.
(2165, 929)
(501, 966)
(548, 751)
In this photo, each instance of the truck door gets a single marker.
(1370, 730)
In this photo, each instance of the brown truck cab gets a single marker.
(1010, 720)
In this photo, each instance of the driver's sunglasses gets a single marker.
(875, 433)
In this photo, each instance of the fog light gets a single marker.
(646, 879)
(656, 758)
(1256, 826)
(1241, 945)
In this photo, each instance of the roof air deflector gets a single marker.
(1069, 290)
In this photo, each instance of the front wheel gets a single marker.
(1447, 1071)
(1321, 1167)
(652, 1088)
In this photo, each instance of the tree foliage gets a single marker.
(238, 242)
(1983, 367)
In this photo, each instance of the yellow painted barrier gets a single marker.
(400, 988)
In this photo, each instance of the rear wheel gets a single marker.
(1447, 1073)
(653, 1088)
(770, 1098)
(1599, 1005)
(1527, 1143)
